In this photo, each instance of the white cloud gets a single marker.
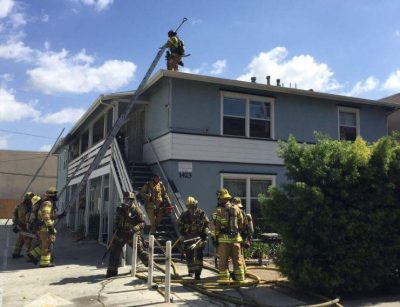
(362, 87)
(3, 141)
(17, 51)
(218, 67)
(45, 18)
(45, 147)
(13, 110)
(99, 5)
(397, 33)
(392, 83)
(6, 7)
(65, 116)
(191, 70)
(64, 73)
(303, 70)
(6, 77)
(17, 20)
(195, 21)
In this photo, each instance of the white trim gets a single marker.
(248, 178)
(178, 146)
(349, 110)
(247, 98)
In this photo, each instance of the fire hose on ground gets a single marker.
(205, 287)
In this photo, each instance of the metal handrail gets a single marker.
(178, 208)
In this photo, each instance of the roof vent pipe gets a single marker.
(268, 80)
(253, 79)
(278, 82)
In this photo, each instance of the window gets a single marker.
(234, 116)
(349, 123)
(109, 120)
(98, 130)
(248, 187)
(248, 116)
(260, 119)
(84, 141)
(75, 149)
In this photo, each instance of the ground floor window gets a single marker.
(248, 187)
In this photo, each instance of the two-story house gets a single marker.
(203, 133)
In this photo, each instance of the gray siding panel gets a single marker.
(206, 178)
(156, 112)
(197, 108)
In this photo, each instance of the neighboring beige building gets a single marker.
(16, 171)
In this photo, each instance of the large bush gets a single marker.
(339, 214)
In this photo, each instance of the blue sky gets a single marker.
(58, 56)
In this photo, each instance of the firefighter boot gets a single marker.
(111, 273)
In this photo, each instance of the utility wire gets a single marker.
(21, 159)
(28, 134)
(28, 175)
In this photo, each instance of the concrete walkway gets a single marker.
(78, 280)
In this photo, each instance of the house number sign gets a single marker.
(185, 169)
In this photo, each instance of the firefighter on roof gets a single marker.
(176, 51)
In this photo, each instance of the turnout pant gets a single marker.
(194, 260)
(155, 219)
(116, 250)
(233, 250)
(173, 61)
(21, 241)
(46, 242)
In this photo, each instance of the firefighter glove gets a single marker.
(15, 229)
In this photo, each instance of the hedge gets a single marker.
(338, 214)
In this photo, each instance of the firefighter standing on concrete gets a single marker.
(20, 214)
(193, 226)
(156, 200)
(227, 222)
(46, 216)
(247, 230)
(176, 50)
(129, 220)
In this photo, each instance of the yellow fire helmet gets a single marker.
(29, 195)
(237, 201)
(52, 191)
(191, 201)
(35, 199)
(129, 195)
(223, 194)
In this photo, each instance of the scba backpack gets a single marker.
(181, 47)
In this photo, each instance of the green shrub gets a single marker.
(339, 214)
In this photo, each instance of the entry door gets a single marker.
(136, 134)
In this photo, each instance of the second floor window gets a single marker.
(349, 123)
(248, 116)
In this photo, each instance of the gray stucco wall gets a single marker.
(196, 108)
(157, 111)
(205, 180)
